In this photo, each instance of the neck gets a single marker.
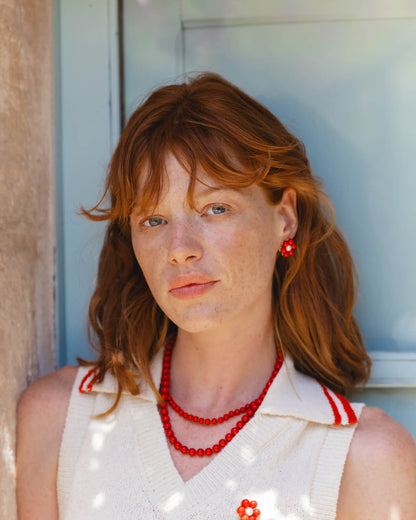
(217, 370)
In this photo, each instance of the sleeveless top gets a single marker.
(289, 457)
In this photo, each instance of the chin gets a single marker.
(195, 326)
(196, 320)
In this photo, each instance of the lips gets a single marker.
(190, 285)
(185, 280)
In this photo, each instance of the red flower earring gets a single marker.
(288, 247)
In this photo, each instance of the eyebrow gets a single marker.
(208, 190)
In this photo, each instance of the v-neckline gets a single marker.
(167, 490)
(165, 486)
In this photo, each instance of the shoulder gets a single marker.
(47, 395)
(41, 415)
(42, 409)
(380, 471)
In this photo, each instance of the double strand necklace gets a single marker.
(247, 411)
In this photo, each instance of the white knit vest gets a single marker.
(289, 458)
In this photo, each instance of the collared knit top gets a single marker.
(289, 457)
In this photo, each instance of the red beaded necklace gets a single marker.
(247, 410)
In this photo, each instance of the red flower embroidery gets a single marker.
(248, 511)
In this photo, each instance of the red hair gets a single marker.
(209, 123)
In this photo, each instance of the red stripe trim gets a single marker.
(90, 383)
(335, 411)
(352, 418)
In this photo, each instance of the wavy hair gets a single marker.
(208, 123)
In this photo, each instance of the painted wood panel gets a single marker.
(200, 13)
(89, 128)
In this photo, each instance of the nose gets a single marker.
(184, 243)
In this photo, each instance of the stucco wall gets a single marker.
(26, 216)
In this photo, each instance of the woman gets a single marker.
(223, 320)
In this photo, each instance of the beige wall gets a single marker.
(26, 215)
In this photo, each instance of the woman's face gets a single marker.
(211, 265)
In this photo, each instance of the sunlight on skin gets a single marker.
(394, 513)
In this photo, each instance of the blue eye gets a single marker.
(153, 222)
(217, 209)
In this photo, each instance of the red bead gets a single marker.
(241, 510)
(245, 503)
(247, 411)
(253, 504)
(256, 512)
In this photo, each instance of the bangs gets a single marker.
(197, 148)
(209, 126)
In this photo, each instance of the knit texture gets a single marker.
(289, 457)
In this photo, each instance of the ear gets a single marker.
(288, 214)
